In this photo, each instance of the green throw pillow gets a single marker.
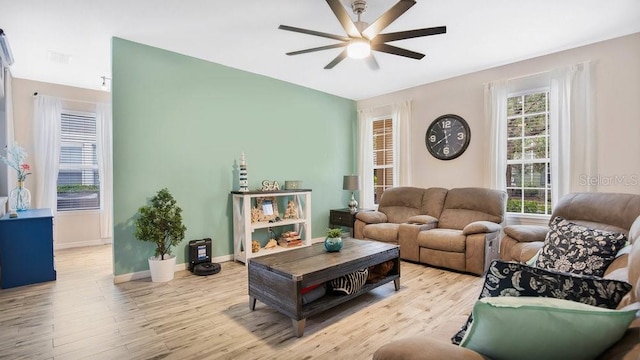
(509, 327)
(532, 261)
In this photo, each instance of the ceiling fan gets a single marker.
(362, 37)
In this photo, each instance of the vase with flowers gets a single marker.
(20, 196)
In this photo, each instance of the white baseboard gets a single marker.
(60, 246)
(223, 258)
(179, 267)
(132, 276)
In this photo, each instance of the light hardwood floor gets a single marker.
(84, 315)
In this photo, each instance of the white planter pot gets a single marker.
(162, 270)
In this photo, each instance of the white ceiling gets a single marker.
(245, 35)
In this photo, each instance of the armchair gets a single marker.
(605, 211)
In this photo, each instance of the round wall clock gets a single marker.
(447, 137)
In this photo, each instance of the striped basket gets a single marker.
(350, 283)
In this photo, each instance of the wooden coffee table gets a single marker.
(277, 279)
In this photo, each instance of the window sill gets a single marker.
(527, 219)
(77, 212)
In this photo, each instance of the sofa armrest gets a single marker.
(423, 348)
(422, 220)
(526, 233)
(478, 227)
(372, 217)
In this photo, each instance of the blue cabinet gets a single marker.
(26, 248)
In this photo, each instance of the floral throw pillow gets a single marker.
(509, 278)
(578, 249)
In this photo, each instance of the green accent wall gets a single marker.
(181, 123)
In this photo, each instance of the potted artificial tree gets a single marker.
(161, 224)
(333, 242)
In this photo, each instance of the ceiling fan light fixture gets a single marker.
(360, 35)
(358, 49)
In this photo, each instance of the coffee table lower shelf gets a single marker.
(277, 280)
(327, 302)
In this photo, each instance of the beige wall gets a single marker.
(71, 228)
(617, 76)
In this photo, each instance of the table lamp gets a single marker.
(351, 183)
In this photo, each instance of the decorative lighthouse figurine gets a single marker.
(244, 183)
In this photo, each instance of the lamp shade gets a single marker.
(351, 182)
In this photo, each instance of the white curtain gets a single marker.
(402, 120)
(495, 97)
(365, 158)
(573, 129)
(11, 179)
(105, 168)
(46, 135)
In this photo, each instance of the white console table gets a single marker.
(243, 202)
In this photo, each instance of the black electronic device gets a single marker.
(200, 258)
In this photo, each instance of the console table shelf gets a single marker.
(243, 227)
(266, 224)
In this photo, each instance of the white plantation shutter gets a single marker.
(78, 177)
(383, 156)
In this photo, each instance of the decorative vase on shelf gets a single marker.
(20, 197)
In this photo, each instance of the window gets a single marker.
(383, 157)
(528, 153)
(78, 179)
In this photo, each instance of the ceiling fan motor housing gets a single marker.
(358, 6)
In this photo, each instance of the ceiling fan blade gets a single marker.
(390, 49)
(326, 47)
(346, 22)
(387, 18)
(313, 32)
(338, 58)
(401, 35)
(371, 61)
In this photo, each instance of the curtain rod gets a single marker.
(385, 105)
(377, 106)
(540, 72)
(529, 75)
(73, 100)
